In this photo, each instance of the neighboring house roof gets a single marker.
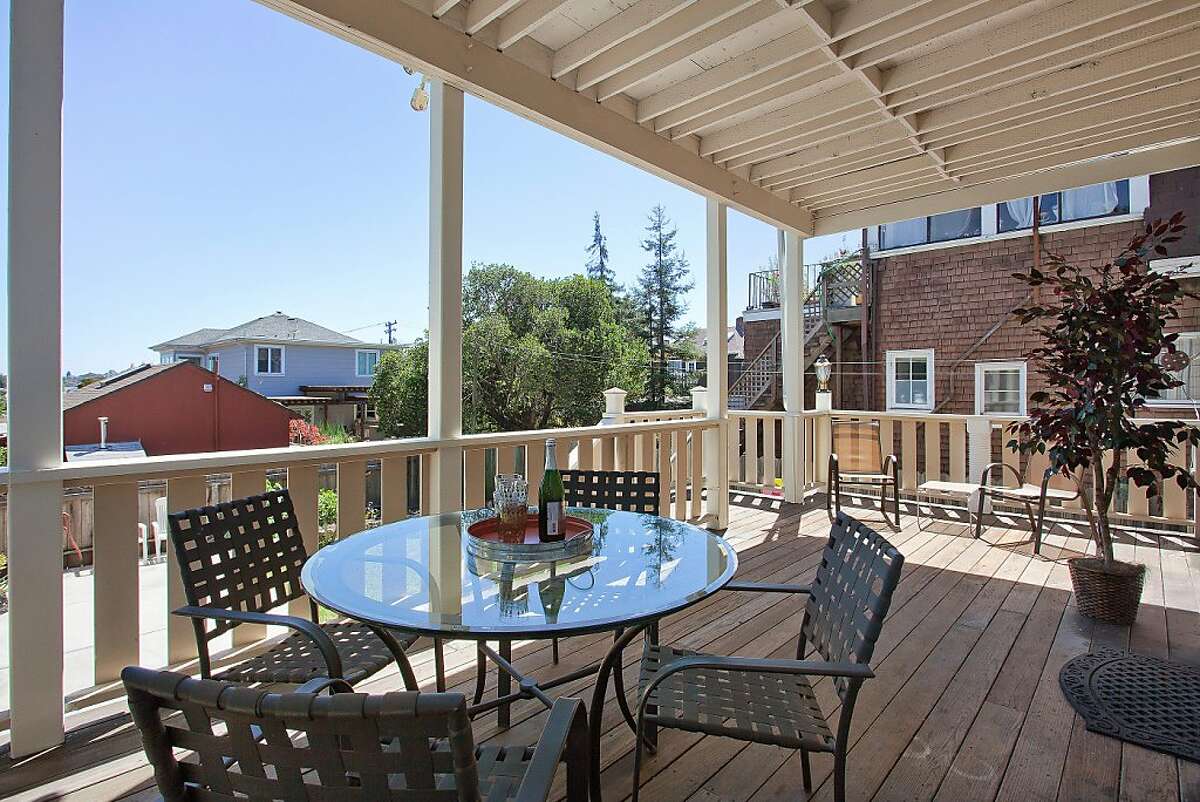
(277, 327)
(734, 340)
(81, 395)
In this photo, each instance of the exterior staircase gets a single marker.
(760, 383)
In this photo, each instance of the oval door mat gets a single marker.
(1143, 700)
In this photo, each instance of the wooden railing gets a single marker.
(756, 451)
(671, 446)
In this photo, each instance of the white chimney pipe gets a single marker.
(103, 432)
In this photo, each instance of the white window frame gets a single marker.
(912, 353)
(282, 360)
(983, 367)
(180, 356)
(1177, 402)
(374, 351)
(213, 362)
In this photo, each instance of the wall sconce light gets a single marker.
(420, 97)
(823, 368)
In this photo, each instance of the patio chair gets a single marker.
(857, 459)
(631, 491)
(1023, 492)
(240, 560)
(771, 701)
(247, 743)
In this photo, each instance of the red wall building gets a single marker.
(175, 409)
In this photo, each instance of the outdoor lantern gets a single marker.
(420, 97)
(823, 368)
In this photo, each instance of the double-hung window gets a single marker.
(910, 379)
(935, 228)
(366, 363)
(1082, 203)
(268, 360)
(1000, 388)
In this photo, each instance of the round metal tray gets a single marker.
(483, 541)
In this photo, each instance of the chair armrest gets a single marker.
(767, 587)
(813, 668)
(323, 642)
(318, 684)
(566, 732)
(985, 480)
(890, 459)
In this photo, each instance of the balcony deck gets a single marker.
(966, 705)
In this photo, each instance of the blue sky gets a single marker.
(222, 161)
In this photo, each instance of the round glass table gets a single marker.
(420, 575)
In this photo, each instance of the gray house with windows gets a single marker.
(290, 360)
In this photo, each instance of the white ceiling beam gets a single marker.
(525, 19)
(886, 133)
(671, 31)
(1105, 69)
(929, 21)
(484, 12)
(743, 109)
(652, 66)
(768, 128)
(442, 7)
(867, 14)
(1153, 79)
(884, 173)
(865, 117)
(405, 35)
(1171, 157)
(789, 55)
(610, 33)
(984, 78)
(1074, 24)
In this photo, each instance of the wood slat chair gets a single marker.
(240, 560)
(247, 743)
(771, 701)
(1049, 487)
(857, 459)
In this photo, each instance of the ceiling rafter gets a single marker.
(821, 21)
(525, 19)
(483, 12)
(629, 23)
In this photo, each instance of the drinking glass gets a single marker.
(511, 499)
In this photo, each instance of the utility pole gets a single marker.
(390, 328)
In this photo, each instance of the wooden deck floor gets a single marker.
(966, 704)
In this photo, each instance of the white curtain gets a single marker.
(906, 232)
(953, 225)
(1020, 212)
(1090, 201)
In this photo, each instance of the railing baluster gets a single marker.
(681, 472)
(664, 474)
(1175, 497)
(908, 454)
(302, 484)
(535, 462)
(1139, 497)
(426, 484)
(809, 451)
(506, 459)
(958, 452)
(769, 473)
(1009, 457)
(933, 451)
(735, 450)
(115, 578)
(183, 493)
(475, 488)
(352, 497)
(585, 454)
(608, 456)
(886, 439)
(697, 470)
(242, 485)
(751, 475)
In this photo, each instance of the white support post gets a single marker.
(793, 293)
(614, 407)
(716, 452)
(35, 374)
(445, 292)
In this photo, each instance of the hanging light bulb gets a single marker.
(420, 97)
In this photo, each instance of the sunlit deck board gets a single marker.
(966, 704)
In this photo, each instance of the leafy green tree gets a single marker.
(597, 263)
(536, 353)
(659, 296)
(400, 391)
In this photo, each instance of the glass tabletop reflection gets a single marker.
(418, 575)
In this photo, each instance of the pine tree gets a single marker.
(659, 296)
(597, 263)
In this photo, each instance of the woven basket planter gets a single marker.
(1109, 594)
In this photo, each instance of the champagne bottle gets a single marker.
(550, 499)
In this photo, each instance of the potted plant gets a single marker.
(1104, 342)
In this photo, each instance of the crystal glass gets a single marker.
(511, 499)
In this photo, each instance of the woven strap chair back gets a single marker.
(632, 491)
(348, 746)
(851, 594)
(246, 554)
(856, 443)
